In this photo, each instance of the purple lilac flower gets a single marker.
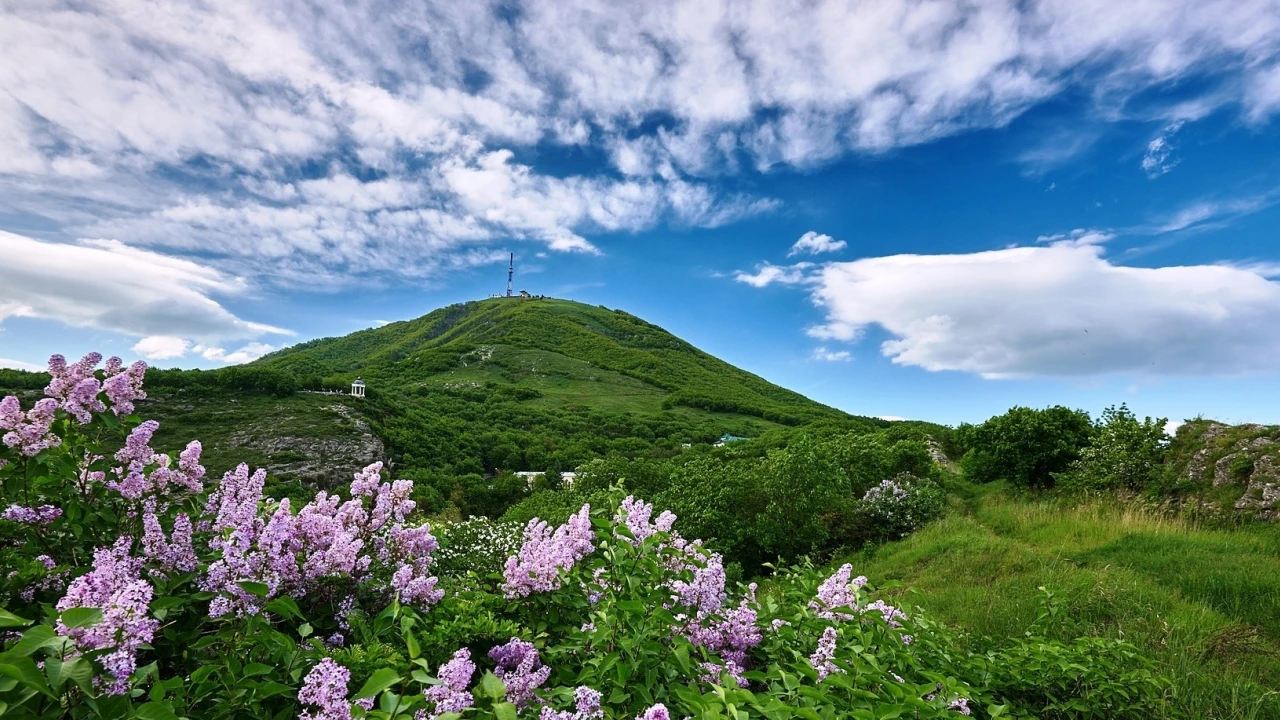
(890, 613)
(705, 592)
(131, 481)
(174, 553)
(960, 705)
(657, 712)
(545, 553)
(452, 694)
(123, 386)
(74, 387)
(42, 515)
(520, 668)
(822, 659)
(28, 432)
(778, 623)
(635, 515)
(113, 586)
(586, 707)
(325, 687)
(838, 591)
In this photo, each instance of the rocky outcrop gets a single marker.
(1241, 456)
(1262, 494)
(323, 460)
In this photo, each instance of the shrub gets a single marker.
(1123, 453)
(1024, 446)
(897, 507)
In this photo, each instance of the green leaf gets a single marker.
(156, 711)
(32, 640)
(78, 617)
(504, 711)
(255, 588)
(24, 670)
(491, 687)
(8, 619)
(379, 681)
(411, 643)
(283, 606)
(305, 630)
(253, 669)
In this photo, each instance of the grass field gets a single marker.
(1204, 603)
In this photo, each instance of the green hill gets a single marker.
(571, 354)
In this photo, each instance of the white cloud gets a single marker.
(161, 347)
(1171, 427)
(891, 418)
(249, 352)
(1057, 309)
(186, 126)
(21, 365)
(813, 243)
(767, 274)
(1159, 158)
(823, 354)
(107, 285)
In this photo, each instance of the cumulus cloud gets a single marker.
(767, 274)
(821, 353)
(813, 243)
(247, 353)
(1060, 308)
(106, 285)
(161, 347)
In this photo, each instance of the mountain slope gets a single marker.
(573, 355)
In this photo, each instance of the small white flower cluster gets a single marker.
(477, 545)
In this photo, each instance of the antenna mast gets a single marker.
(511, 269)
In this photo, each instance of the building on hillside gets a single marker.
(531, 475)
(357, 388)
(727, 438)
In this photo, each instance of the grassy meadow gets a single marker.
(1203, 602)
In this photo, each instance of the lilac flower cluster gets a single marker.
(521, 669)
(545, 553)
(823, 658)
(325, 687)
(328, 538)
(28, 432)
(838, 591)
(173, 553)
(114, 587)
(42, 515)
(134, 483)
(451, 695)
(657, 712)
(635, 515)
(77, 390)
(586, 707)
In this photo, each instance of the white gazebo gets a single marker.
(357, 388)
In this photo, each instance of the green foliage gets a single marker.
(1024, 446)
(1123, 453)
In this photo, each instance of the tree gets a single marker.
(1124, 453)
(805, 490)
(1025, 446)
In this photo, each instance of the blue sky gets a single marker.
(916, 209)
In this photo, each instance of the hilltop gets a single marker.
(570, 354)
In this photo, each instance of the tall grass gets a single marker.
(1204, 602)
